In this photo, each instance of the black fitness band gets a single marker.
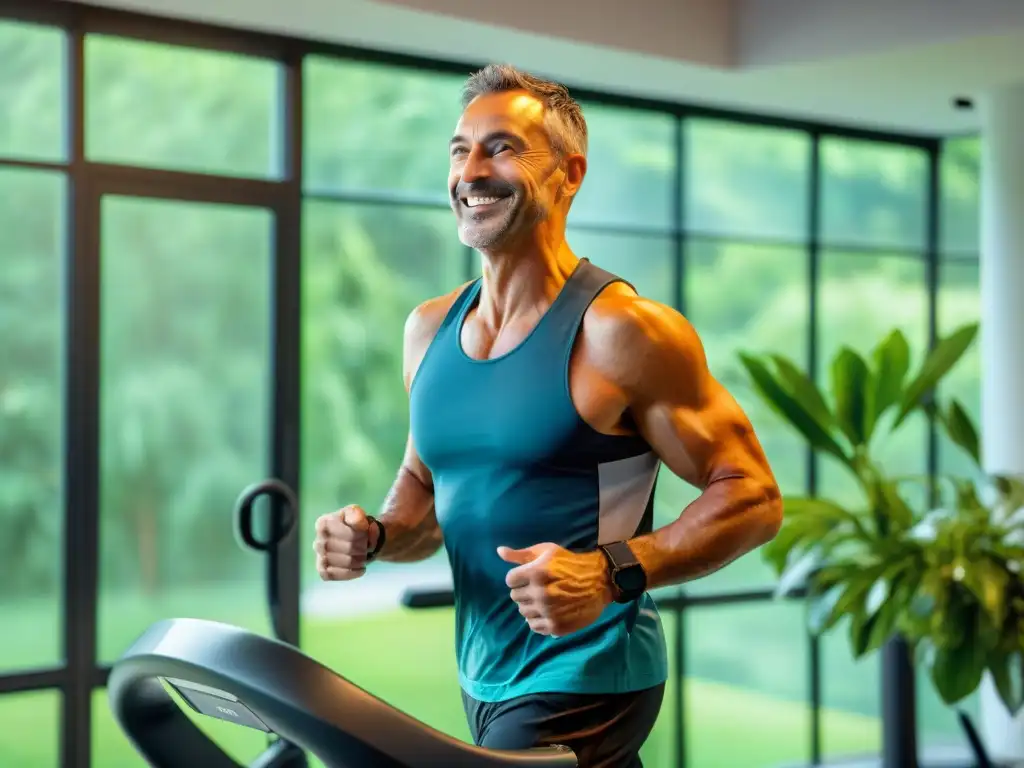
(381, 536)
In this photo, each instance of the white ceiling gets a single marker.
(887, 64)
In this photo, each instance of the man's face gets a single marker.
(504, 176)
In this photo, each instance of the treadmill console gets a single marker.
(214, 703)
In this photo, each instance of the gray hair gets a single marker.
(563, 114)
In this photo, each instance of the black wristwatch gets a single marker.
(381, 536)
(629, 579)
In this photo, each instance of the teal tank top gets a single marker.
(514, 464)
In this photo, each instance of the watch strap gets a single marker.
(381, 537)
(619, 555)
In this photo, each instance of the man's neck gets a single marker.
(523, 281)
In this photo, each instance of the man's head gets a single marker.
(517, 158)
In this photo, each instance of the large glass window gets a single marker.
(184, 401)
(630, 169)
(164, 106)
(31, 91)
(373, 128)
(873, 195)
(751, 298)
(746, 181)
(365, 267)
(30, 737)
(31, 416)
(730, 685)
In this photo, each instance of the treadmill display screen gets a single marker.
(214, 703)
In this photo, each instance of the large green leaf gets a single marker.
(796, 572)
(851, 380)
(961, 430)
(892, 362)
(821, 609)
(791, 409)
(800, 386)
(956, 672)
(1008, 676)
(940, 360)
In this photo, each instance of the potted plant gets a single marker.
(939, 579)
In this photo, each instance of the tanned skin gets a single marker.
(637, 367)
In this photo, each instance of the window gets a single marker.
(854, 286)
(374, 128)
(760, 306)
(873, 195)
(31, 416)
(181, 109)
(746, 181)
(185, 373)
(630, 170)
(960, 169)
(32, 92)
(365, 267)
(862, 297)
(761, 688)
(31, 733)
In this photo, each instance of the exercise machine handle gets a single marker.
(284, 510)
(428, 598)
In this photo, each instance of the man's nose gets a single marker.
(477, 166)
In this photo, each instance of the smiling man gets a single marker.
(544, 398)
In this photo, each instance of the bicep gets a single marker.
(688, 417)
(703, 435)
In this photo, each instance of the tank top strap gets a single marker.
(578, 293)
(457, 311)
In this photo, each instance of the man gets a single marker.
(543, 399)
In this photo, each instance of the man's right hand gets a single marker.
(342, 540)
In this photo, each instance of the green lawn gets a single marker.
(750, 714)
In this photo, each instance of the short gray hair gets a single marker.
(563, 114)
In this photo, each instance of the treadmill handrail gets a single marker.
(299, 699)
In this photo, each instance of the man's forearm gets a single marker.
(408, 518)
(733, 516)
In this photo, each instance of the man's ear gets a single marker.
(575, 169)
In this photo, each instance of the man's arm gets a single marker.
(702, 435)
(407, 513)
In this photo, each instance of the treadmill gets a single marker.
(228, 673)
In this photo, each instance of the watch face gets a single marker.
(631, 580)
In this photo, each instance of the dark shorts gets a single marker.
(604, 731)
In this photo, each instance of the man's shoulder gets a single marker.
(423, 321)
(626, 333)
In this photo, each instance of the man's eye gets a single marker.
(458, 151)
(502, 148)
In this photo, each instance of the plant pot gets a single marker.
(1002, 734)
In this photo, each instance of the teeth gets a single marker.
(472, 202)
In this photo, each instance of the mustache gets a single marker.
(483, 188)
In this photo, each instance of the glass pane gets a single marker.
(375, 127)
(182, 109)
(762, 306)
(184, 387)
(850, 696)
(960, 195)
(364, 269)
(873, 194)
(111, 748)
(30, 737)
(862, 298)
(959, 303)
(31, 417)
(659, 751)
(631, 166)
(746, 181)
(32, 91)
(763, 692)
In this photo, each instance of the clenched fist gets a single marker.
(342, 540)
(558, 591)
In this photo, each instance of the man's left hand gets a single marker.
(558, 591)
